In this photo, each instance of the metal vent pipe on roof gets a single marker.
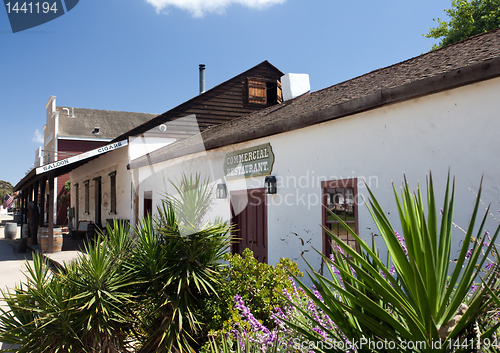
(202, 78)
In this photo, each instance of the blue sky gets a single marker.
(143, 55)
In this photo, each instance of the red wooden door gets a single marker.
(249, 220)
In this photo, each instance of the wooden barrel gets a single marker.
(43, 239)
(10, 231)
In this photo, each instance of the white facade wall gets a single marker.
(116, 160)
(456, 130)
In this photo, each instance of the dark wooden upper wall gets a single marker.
(220, 104)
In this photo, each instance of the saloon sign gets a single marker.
(250, 162)
(81, 156)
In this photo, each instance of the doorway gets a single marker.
(249, 221)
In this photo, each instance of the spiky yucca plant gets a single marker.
(424, 301)
(84, 307)
(178, 259)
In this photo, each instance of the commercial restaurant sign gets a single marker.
(249, 162)
(81, 156)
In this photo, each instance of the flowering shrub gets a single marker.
(260, 285)
(300, 311)
(250, 335)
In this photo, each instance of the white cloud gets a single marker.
(198, 8)
(37, 136)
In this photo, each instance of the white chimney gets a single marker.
(294, 85)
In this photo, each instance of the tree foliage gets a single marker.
(5, 188)
(467, 18)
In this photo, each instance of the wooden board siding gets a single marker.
(220, 104)
(234, 102)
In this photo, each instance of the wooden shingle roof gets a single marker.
(472, 60)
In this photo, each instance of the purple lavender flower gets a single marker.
(262, 333)
(317, 294)
(392, 270)
(489, 266)
(469, 253)
(353, 271)
(320, 331)
(402, 243)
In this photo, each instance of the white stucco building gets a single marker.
(437, 112)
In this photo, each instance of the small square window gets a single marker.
(263, 91)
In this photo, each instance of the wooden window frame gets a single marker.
(333, 184)
(77, 201)
(97, 200)
(263, 84)
(112, 179)
(86, 183)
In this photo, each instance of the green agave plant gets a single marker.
(84, 307)
(423, 305)
(38, 318)
(101, 283)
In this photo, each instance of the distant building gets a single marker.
(102, 188)
(69, 131)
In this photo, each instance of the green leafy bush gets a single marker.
(260, 285)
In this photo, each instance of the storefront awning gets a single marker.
(66, 165)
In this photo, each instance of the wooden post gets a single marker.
(35, 211)
(51, 214)
(42, 202)
(23, 210)
(30, 222)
